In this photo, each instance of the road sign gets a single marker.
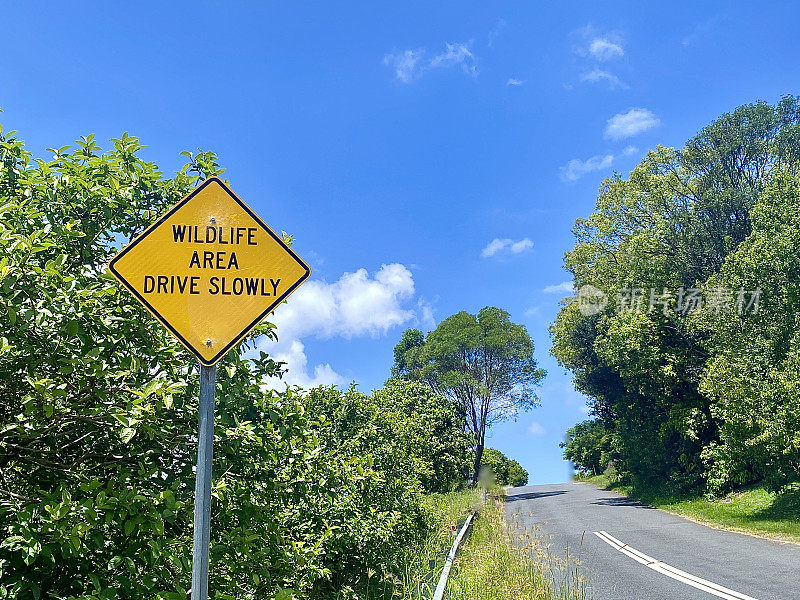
(210, 270)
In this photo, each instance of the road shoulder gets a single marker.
(751, 512)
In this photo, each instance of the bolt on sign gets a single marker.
(210, 270)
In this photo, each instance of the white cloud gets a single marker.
(405, 64)
(456, 54)
(506, 245)
(604, 49)
(597, 75)
(425, 316)
(534, 311)
(354, 305)
(297, 374)
(495, 32)
(596, 47)
(536, 429)
(636, 120)
(514, 82)
(564, 286)
(576, 168)
(409, 64)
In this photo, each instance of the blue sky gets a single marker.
(427, 158)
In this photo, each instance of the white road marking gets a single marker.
(669, 571)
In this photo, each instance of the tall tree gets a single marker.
(670, 226)
(752, 378)
(483, 362)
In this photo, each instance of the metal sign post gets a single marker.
(210, 270)
(202, 487)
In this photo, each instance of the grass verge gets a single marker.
(425, 561)
(751, 510)
(498, 562)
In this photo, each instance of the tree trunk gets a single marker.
(478, 457)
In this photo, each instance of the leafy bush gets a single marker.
(98, 414)
(412, 433)
(506, 471)
(752, 378)
(589, 446)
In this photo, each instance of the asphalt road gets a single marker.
(663, 556)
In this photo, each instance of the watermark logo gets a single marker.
(590, 300)
(685, 301)
(682, 301)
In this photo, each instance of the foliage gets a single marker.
(482, 362)
(673, 224)
(95, 400)
(430, 429)
(98, 410)
(589, 445)
(753, 378)
(506, 471)
(413, 434)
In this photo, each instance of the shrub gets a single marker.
(506, 471)
(588, 446)
(411, 432)
(98, 414)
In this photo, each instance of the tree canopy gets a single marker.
(589, 446)
(483, 362)
(689, 231)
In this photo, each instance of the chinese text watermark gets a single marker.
(682, 301)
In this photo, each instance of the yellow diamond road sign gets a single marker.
(210, 270)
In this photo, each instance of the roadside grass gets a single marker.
(751, 510)
(499, 562)
(424, 561)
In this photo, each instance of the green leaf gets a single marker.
(151, 386)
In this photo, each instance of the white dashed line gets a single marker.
(669, 571)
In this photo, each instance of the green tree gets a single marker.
(588, 446)
(411, 433)
(669, 225)
(482, 362)
(430, 428)
(752, 378)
